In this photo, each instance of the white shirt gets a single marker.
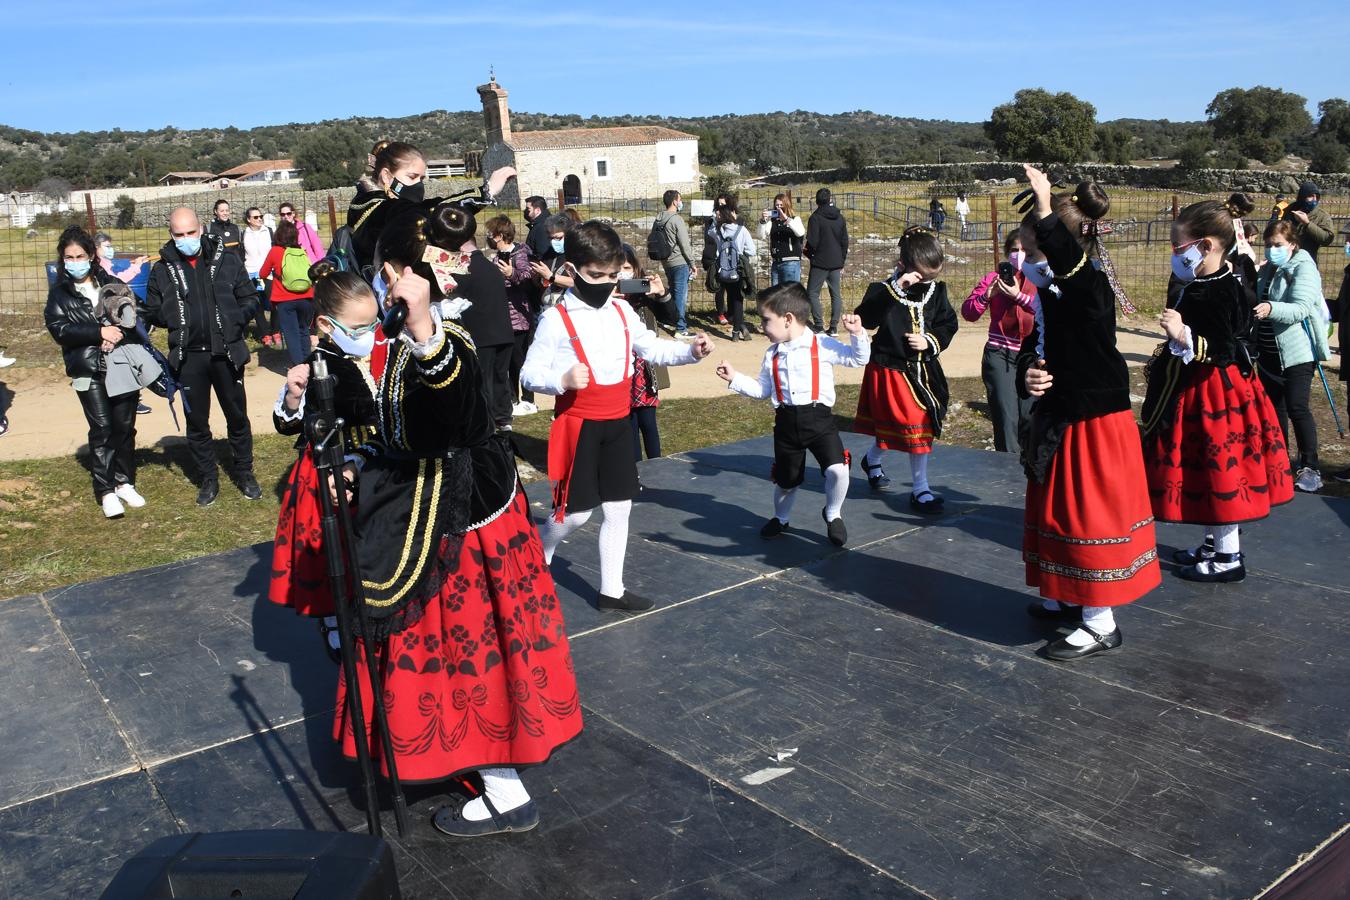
(600, 332)
(794, 368)
(962, 208)
(257, 244)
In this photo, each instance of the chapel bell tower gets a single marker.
(496, 117)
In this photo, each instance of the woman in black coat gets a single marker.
(75, 325)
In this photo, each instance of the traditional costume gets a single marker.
(474, 662)
(798, 376)
(1213, 448)
(904, 391)
(590, 445)
(1089, 536)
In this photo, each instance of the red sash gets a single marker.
(786, 400)
(595, 402)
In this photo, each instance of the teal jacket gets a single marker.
(1294, 292)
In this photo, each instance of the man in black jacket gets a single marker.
(827, 248)
(536, 217)
(200, 292)
(225, 231)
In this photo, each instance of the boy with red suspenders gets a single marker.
(583, 354)
(798, 376)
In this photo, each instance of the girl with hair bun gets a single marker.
(904, 392)
(1088, 541)
(469, 636)
(1212, 444)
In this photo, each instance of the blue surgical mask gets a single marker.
(77, 270)
(1310, 205)
(1038, 273)
(1278, 255)
(557, 245)
(188, 246)
(1347, 250)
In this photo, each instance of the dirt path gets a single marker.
(46, 419)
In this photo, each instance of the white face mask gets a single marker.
(1185, 263)
(1038, 273)
(360, 346)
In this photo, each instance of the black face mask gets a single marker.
(412, 192)
(592, 293)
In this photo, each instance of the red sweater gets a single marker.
(271, 268)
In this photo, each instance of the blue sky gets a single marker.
(947, 60)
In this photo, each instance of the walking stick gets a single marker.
(324, 431)
(1326, 385)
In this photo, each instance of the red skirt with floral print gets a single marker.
(299, 567)
(484, 678)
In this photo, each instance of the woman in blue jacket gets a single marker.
(1291, 338)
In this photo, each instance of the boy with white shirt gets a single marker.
(583, 354)
(798, 375)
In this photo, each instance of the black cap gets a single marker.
(1308, 189)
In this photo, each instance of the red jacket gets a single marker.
(271, 268)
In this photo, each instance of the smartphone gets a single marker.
(503, 255)
(1006, 273)
(634, 285)
(773, 214)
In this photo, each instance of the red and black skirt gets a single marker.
(890, 411)
(1089, 536)
(299, 568)
(484, 678)
(1220, 458)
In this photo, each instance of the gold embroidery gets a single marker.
(454, 373)
(433, 473)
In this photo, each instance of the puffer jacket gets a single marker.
(1294, 292)
(219, 303)
(72, 323)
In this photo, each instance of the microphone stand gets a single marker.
(323, 429)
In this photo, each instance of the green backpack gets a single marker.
(295, 270)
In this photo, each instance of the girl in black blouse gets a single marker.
(1089, 542)
(1213, 448)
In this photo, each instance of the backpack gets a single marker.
(295, 270)
(659, 248)
(342, 252)
(728, 257)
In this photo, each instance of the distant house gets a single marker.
(177, 178)
(260, 171)
(630, 162)
(445, 168)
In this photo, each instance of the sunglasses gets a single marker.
(251, 218)
(289, 214)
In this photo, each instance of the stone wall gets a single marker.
(1204, 180)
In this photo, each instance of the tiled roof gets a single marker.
(188, 175)
(260, 165)
(568, 138)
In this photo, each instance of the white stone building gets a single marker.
(260, 171)
(585, 164)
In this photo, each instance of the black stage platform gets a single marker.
(791, 721)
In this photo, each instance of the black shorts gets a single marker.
(797, 429)
(603, 469)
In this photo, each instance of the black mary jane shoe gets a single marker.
(773, 528)
(1191, 556)
(325, 630)
(835, 530)
(629, 602)
(1065, 615)
(1209, 576)
(450, 820)
(1062, 651)
(877, 479)
(930, 506)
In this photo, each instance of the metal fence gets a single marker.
(876, 215)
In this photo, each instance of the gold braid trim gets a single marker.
(429, 480)
(445, 382)
(1074, 271)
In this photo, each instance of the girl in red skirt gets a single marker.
(468, 634)
(904, 391)
(1213, 448)
(1088, 543)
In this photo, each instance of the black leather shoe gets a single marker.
(773, 528)
(1208, 575)
(629, 602)
(877, 479)
(1063, 651)
(208, 493)
(448, 820)
(248, 486)
(835, 530)
(929, 506)
(1068, 615)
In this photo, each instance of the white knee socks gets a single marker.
(918, 468)
(874, 455)
(503, 787)
(836, 488)
(552, 532)
(1098, 618)
(613, 546)
(782, 503)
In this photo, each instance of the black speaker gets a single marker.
(260, 865)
